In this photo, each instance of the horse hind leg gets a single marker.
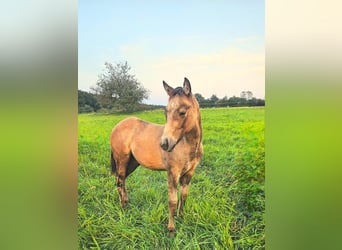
(112, 163)
(122, 167)
(121, 163)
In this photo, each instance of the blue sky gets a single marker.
(217, 45)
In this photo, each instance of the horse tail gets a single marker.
(112, 163)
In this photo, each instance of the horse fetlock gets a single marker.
(171, 227)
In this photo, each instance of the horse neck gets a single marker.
(195, 134)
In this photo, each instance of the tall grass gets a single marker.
(225, 206)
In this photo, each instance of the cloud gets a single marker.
(225, 72)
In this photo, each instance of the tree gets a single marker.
(87, 102)
(222, 102)
(200, 99)
(234, 101)
(118, 89)
(248, 95)
(212, 100)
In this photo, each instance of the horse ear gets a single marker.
(187, 86)
(167, 88)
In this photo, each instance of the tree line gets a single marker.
(89, 102)
(117, 90)
(246, 99)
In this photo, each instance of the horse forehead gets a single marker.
(173, 104)
(177, 102)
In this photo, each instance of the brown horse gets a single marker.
(175, 147)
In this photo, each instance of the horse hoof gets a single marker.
(172, 232)
(124, 204)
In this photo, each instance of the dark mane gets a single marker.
(178, 91)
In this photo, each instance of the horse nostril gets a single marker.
(164, 144)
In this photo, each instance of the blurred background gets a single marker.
(38, 131)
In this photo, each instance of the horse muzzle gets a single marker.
(167, 144)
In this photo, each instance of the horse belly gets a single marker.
(149, 156)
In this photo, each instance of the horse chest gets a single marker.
(181, 157)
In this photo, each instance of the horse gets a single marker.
(175, 147)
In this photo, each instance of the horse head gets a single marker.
(182, 115)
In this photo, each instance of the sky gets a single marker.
(218, 45)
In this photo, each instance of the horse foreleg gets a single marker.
(172, 193)
(184, 181)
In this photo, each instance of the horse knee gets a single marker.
(172, 205)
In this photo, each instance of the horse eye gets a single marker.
(182, 113)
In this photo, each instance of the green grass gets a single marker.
(226, 202)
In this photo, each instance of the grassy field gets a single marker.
(226, 202)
